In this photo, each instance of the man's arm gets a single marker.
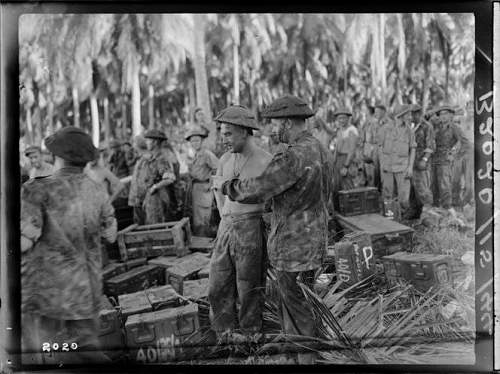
(108, 222)
(283, 172)
(219, 197)
(116, 185)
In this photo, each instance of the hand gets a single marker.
(168, 177)
(343, 171)
(217, 182)
(409, 173)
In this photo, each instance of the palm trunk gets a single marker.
(94, 112)
(151, 110)
(382, 53)
(124, 116)
(236, 61)
(107, 132)
(136, 104)
(29, 125)
(76, 107)
(202, 97)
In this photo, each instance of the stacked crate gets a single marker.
(160, 286)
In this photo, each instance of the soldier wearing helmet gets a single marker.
(153, 173)
(397, 154)
(298, 182)
(39, 168)
(346, 167)
(238, 260)
(199, 192)
(449, 138)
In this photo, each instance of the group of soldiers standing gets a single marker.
(292, 179)
(417, 161)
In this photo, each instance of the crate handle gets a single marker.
(144, 338)
(391, 236)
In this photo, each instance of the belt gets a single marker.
(242, 216)
(201, 181)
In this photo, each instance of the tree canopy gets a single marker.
(115, 74)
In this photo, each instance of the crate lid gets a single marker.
(161, 294)
(195, 289)
(373, 224)
(131, 273)
(165, 261)
(151, 317)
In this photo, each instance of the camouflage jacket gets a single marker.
(447, 135)
(150, 169)
(299, 182)
(425, 139)
(63, 218)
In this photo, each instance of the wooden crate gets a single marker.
(134, 303)
(167, 333)
(162, 239)
(135, 280)
(360, 200)
(201, 244)
(354, 260)
(196, 289)
(187, 269)
(423, 270)
(110, 334)
(162, 297)
(387, 236)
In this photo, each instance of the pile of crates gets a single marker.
(156, 293)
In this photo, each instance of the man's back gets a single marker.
(64, 215)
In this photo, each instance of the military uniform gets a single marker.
(118, 161)
(298, 181)
(63, 218)
(200, 193)
(237, 267)
(447, 135)
(45, 170)
(346, 144)
(421, 181)
(149, 170)
(463, 169)
(395, 144)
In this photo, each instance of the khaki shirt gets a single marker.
(396, 142)
(45, 170)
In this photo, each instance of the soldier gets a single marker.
(397, 154)
(298, 181)
(131, 155)
(96, 171)
(238, 261)
(346, 167)
(275, 146)
(201, 196)
(448, 141)
(63, 218)
(463, 170)
(370, 144)
(153, 173)
(421, 181)
(117, 161)
(39, 168)
(200, 120)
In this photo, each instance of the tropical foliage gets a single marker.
(115, 74)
